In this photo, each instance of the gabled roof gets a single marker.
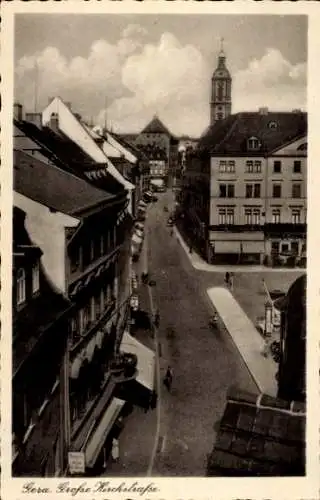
(58, 147)
(156, 127)
(53, 187)
(272, 129)
(259, 436)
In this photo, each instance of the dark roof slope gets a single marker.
(259, 436)
(273, 129)
(156, 127)
(59, 147)
(53, 187)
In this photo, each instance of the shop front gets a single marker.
(140, 390)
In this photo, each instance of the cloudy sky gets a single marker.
(134, 66)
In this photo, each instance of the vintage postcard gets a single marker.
(159, 250)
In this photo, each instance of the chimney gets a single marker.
(35, 118)
(68, 104)
(17, 111)
(54, 122)
(263, 111)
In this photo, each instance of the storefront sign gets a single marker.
(76, 462)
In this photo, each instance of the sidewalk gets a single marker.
(246, 338)
(201, 265)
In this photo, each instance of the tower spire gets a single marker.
(221, 45)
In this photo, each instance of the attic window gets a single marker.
(253, 143)
(303, 147)
(273, 125)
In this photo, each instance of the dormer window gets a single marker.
(273, 125)
(21, 286)
(253, 143)
(35, 277)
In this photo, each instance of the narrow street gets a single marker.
(205, 363)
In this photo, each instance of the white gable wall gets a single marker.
(47, 230)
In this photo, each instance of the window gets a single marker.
(231, 166)
(257, 166)
(303, 147)
(226, 216)
(230, 216)
(226, 191)
(21, 286)
(249, 166)
(295, 216)
(222, 166)
(273, 125)
(276, 216)
(253, 166)
(219, 116)
(296, 190)
(222, 216)
(275, 247)
(252, 216)
(253, 190)
(277, 167)
(35, 277)
(297, 166)
(253, 143)
(285, 248)
(276, 191)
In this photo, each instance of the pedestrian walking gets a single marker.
(157, 319)
(168, 378)
(227, 278)
(231, 281)
(115, 450)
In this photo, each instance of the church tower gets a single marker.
(220, 105)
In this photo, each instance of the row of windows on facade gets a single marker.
(157, 171)
(94, 308)
(255, 166)
(21, 283)
(253, 216)
(254, 190)
(93, 249)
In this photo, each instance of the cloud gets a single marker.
(140, 79)
(271, 81)
(168, 79)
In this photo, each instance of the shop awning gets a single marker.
(99, 436)
(252, 246)
(146, 360)
(90, 349)
(227, 246)
(76, 366)
(142, 204)
(142, 208)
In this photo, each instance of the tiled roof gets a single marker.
(272, 129)
(54, 187)
(259, 436)
(66, 152)
(156, 127)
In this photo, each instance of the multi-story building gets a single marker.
(245, 187)
(161, 148)
(84, 233)
(40, 423)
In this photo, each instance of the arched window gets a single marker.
(303, 147)
(253, 143)
(21, 286)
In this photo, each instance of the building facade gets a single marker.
(40, 423)
(252, 170)
(157, 143)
